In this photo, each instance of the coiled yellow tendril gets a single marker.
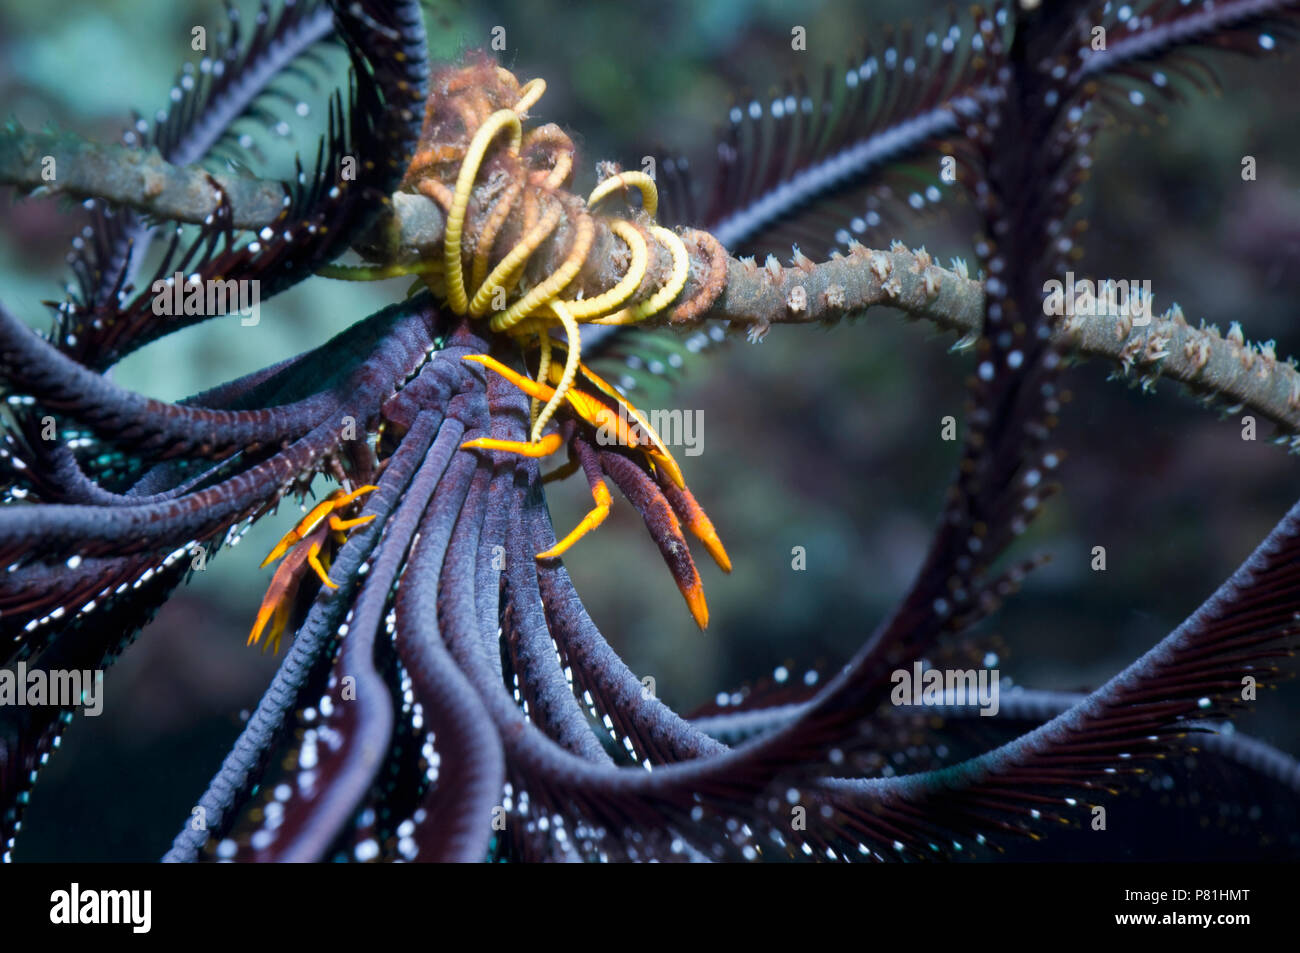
(539, 309)
(455, 275)
(649, 194)
(524, 196)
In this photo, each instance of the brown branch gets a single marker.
(1243, 376)
(49, 164)
(763, 295)
(741, 292)
(757, 296)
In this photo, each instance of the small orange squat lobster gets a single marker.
(307, 540)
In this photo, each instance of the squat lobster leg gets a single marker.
(277, 604)
(599, 493)
(313, 560)
(677, 501)
(305, 546)
(542, 448)
(326, 507)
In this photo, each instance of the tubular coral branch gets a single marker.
(132, 178)
(805, 293)
(1239, 374)
(1228, 368)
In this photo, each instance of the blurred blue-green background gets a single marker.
(825, 439)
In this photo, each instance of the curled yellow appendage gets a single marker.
(541, 295)
(570, 367)
(561, 161)
(637, 180)
(488, 233)
(531, 318)
(540, 307)
(543, 371)
(501, 119)
(530, 93)
(667, 292)
(627, 285)
(506, 274)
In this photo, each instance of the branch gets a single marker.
(65, 164)
(1243, 376)
(1227, 369)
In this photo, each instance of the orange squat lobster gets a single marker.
(307, 540)
(597, 413)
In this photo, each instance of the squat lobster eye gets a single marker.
(307, 541)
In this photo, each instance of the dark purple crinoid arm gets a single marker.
(452, 699)
(86, 571)
(323, 211)
(492, 663)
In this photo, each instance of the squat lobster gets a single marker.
(307, 540)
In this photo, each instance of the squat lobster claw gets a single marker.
(630, 429)
(588, 408)
(304, 545)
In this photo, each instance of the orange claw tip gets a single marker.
(694, 595)
(343, 499)
(278, 625)
(719, 554)
(707, 535)
(263, 617)
(698, 522)
(281, 547)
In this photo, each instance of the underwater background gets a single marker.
(825, 439)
